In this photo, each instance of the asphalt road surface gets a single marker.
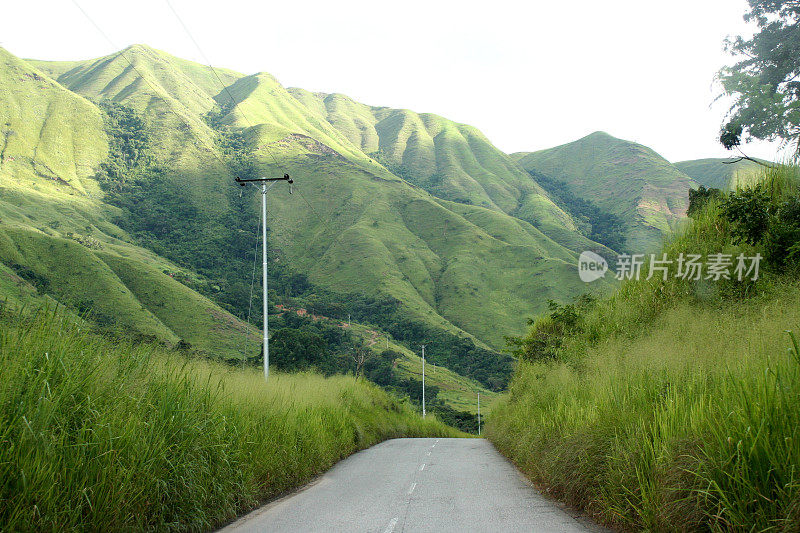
(417, 485)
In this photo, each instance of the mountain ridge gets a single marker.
(624, 178)
(390, 204)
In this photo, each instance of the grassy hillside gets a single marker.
(47, 132)
(623, 178)
(720, 173)
(59, 238)
(673, 405)
(103, 435)
(371, 228)
(452, 161)
(84, 260)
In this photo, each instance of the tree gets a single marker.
(765, 83)
(297, 349)
(360, 354)
(699, 198)
(380, 369)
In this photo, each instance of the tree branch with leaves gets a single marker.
(765, 81)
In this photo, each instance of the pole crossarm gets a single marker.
(244, 182)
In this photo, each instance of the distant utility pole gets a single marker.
(423, 380)
(479, 413)
(264, 188)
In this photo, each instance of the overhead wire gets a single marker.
(216, 74)
(250, 302)
(234, 104)
(243, 114)
(188, 126)
(185, 123)
(250, 125)
(140, 74)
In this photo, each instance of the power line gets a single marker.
(252, 285)
(141, 76)
(225, 164)
(249, 123)
(219, 80)
(234, 104)
(216, 75)
(185, 123)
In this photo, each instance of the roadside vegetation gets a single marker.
(674, 405)
(99, 434)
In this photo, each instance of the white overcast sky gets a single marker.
(530, 75)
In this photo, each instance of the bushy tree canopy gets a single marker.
(765, 82)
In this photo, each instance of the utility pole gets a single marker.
(423, 380)
(479, 413)
(264, 188)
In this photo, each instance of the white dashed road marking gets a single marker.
(413, 486)
(391, 525)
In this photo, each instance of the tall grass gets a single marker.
(100, 435)
(676, 408)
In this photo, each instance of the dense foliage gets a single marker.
(158, 215)
(301, 343)
(672, 405)
(699, 198)
(764, 83)
(762, 217)
(593, 222)
(544, 340)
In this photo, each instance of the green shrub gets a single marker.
(768, 214)
(700, 197)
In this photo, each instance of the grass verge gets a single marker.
(672, 405)
(102, 435)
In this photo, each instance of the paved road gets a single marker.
(417, 485)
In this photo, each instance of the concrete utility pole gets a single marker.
(264, 189)
(423, 380)
(479, 413)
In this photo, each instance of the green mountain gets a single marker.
(58, 241)
(719, 173)
(453, 162)
(389, 204)
(620, 177)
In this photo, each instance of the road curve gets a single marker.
(417, 485)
